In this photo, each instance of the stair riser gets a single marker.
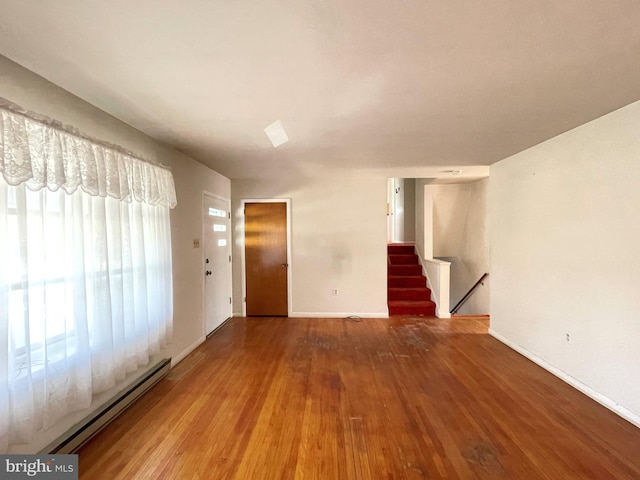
(421, 295)
(400, 249)
(407, 282)
(403, 259)
(404, 270)
(425, 311)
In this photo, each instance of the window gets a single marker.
(37, 293)
(85, 277)
(214, 212)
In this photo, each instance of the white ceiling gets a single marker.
(361, 86)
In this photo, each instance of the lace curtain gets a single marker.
(85, 270)
(44, 153)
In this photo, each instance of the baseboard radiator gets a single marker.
(80, 434)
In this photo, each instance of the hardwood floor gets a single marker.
(398, 398)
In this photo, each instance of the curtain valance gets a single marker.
(41, 152)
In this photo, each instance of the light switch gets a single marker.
(196, 243)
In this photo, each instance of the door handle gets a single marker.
(208, 272)
(285, 265)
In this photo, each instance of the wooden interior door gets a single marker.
(265, 239)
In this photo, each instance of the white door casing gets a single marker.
(398, 210)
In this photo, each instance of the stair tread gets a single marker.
(414, 278)
(407, 303)
(406, 281)
(412, 308)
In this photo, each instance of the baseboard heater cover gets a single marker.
(74, 438)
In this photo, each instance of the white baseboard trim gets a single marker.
(575, 383)
(177, 359)
(444, 314)
(237, 314)
(338, 315)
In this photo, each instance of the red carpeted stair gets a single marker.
(407, 293)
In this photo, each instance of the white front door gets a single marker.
(217, 262)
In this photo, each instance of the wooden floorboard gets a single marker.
(398, 398)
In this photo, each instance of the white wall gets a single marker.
(403, 206)
(339, 235)
(423, 220)
(460, 236)
(565, 234)
(191, 178)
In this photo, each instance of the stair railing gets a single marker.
(468, 294)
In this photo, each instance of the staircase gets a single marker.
(407, 293)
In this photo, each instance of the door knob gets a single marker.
(285, 265)
(208, 272)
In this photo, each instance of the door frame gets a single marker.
(202, 259)
(391, 205)
(243, 201)
(398, 210)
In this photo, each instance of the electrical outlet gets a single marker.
(196, 243)
(567, 337)
(334, 292)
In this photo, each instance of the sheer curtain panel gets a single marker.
(85, 269)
